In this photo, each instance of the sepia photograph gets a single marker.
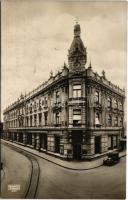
(63, 99)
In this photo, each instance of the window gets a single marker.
(109, 120)
(26, 121)
(76, 117)
(114, 141)
(27, 109)
(97, 120)
(30, 108)
(57, 96)
(115, 104)
(96, 97)
(109, 103)
(45, 118)
(116, 121)
(40, 118)
(34, 106)
(39, 104)
(35, 120)
(121, 121)
(76, 91)
(50, 143)
(121, 106)
(31, 120)
(45, 100)
(57, 118)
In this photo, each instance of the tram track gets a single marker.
(35, 172)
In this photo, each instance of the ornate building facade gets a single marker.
(76, 114)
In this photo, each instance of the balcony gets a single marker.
(57, 106)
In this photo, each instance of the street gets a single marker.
(56, 182)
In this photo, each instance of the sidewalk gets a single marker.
(73, 165)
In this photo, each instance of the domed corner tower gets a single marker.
(77, 56)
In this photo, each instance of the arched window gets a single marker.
(109, 102)
(96, 97)
(109, 120)
(97, 119)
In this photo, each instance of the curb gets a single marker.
(69, 168)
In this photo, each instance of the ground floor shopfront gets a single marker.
(67, 144)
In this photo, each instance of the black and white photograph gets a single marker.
(63, 99)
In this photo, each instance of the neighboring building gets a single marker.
(76, 114)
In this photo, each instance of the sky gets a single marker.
(37, 34)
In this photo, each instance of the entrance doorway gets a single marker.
(77, 151)
(97, 144)
(43, 141)
(76, 142)
(57, 144)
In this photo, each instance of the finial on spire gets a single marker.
(51, 73)
(77, 29)
(90, 65)
(103, 74)
(76, 20)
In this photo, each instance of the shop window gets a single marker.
(109, 120)
(76, 91)
(97, 120)
(76, 117)
(51, 144)
(109, 103)
(114, 141)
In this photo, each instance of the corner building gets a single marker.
(76, 114)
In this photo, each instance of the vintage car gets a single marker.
(113, 158)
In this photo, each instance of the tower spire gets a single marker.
(77, 57)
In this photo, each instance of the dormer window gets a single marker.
(77, 91)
